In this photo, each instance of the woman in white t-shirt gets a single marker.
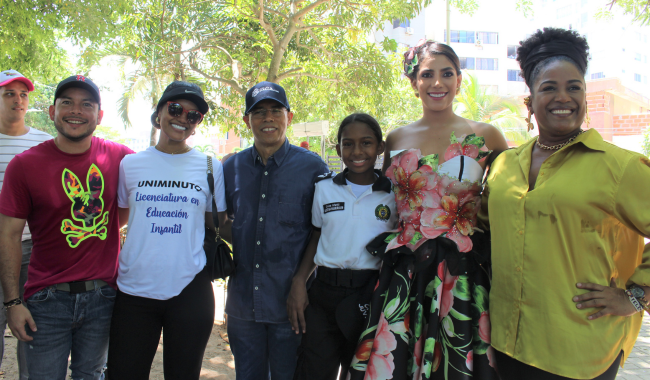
(161, 281)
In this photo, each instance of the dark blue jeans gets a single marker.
(69, 324)
(22, 346)
(263, 350)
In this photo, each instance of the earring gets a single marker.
(529, 124)
(193, 133)
(157, 120)
(417, 94)
(587, 118)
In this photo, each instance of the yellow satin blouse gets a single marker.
(583, 222)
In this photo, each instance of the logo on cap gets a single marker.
(81, 78)
(9, 74)
(258, 90)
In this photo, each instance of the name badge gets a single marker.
(336, 206)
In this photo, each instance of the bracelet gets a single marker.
(12, 303)
(634, 301)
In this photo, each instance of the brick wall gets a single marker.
(599, 107)
(631, 125)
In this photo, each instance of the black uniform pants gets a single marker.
(324, 348)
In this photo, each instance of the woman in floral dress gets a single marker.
(429, 316)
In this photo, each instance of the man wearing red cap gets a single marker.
(15, 138)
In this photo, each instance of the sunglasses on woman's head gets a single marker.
(176, 110)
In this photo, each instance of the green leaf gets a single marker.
(419, 316)
(431, 287)
(481, 348)
(431, 160)
(474, 140)
(482, 154)
(391, 307)
(461, 290)
(481, 297)
(416, 237)
(429, 345)
(452, 138)
(458, 315)
(448, 325)
(391, 237)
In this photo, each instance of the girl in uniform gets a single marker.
(349, 210)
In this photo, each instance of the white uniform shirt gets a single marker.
(167, 196)
(349, 223)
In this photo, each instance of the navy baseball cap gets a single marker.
(79, 81)
(263, 91)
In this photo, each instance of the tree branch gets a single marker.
(267, 27)
(321, 26)
(308, 8)
(232, 83)
(308, 75)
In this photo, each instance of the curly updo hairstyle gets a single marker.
(418, 53)
(550, 45)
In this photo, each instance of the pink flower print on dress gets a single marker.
(444, 291)
(410, 182)
(380, 365)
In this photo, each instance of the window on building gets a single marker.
(623, 71)
(227, 135)
(637, 77)
(645, 59)
(645, 38)
(514, 76)
(488, 37)
(597, 75)
(467, 63)
(645, 79)
(487, 64)
(564, 11)
(405, 23)
(584, 19)
(639, 36)
(637, 57)
(462, 36)
(512, 51)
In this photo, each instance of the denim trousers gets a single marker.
(75, 325)
(263, 350)
(22, 346)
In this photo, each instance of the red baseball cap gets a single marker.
(304, 144)
(9, 76)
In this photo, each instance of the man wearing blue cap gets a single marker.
(269, 192)
(15, 138)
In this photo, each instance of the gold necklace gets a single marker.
(558, 146)
(184, 150)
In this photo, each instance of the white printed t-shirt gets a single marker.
(348, 223)
(10, 146)
(167, 196)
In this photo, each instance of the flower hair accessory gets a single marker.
(411, 57)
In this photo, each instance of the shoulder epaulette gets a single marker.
(321, 177)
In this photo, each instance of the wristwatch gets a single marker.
(638, 293)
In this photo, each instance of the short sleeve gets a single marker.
(631, 208)
(122, 189)
(219, 187)
(15, 200)
(316, 209)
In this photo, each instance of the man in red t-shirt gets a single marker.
(66, 189)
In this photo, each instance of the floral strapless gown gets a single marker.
(429, 316)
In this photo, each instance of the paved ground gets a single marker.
(637, 366)
(218, 363)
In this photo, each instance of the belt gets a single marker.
(347, 278)
(80, 286)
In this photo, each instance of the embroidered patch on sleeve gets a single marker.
(86, 209)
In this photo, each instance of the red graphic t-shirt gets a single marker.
(70, 203)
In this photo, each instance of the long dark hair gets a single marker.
(417, 54)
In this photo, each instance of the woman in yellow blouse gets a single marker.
(568, 213)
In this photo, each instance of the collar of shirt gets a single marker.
(278, 156)
(381, 184)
